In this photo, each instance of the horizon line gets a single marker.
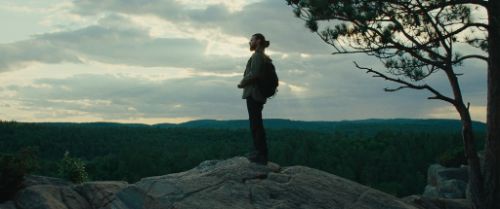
(222, 120)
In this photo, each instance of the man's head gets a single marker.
(258, 41)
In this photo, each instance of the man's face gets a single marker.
(253, 43)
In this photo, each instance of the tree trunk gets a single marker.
(476, 189)
(492, 147)
(475, 177)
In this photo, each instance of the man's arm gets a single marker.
(256, 66)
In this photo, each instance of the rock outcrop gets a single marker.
(45, 192)
(231, 183)
(445, 182)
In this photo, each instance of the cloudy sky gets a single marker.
(161, 61)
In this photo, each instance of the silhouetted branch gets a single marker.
(395, 89)
(451, 3)
(474, 56)
(406, 84)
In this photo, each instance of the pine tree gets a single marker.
(415, 39)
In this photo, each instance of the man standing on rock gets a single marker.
(255, 100)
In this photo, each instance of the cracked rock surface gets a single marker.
(233, 183)
(236, 183)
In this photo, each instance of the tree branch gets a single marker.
(436, 28)
(474, 56)
(395, 89)
(455, 2)
(410, 50)
(406, 84)
(414, 41)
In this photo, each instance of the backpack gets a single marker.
(268, 82)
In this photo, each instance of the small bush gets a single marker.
(453, 157)
(72, 169)
(13, 168)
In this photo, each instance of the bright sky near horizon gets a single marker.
(161, 61)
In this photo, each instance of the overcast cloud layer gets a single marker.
(171, 61)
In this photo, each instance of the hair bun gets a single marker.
(266, 44)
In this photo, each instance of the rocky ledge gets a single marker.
(232, 183)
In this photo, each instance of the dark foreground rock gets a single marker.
(233, 183)
(423, 202)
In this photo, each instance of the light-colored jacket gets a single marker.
(253, 70)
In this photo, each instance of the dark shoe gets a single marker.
(259, 159)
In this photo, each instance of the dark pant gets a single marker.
(257, 126)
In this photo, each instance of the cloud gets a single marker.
(112, 43)
(315, 95)
(20, 54)
(120, 96)
(272, 18)
(478, 113)
(171, 60)
(212, 38)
